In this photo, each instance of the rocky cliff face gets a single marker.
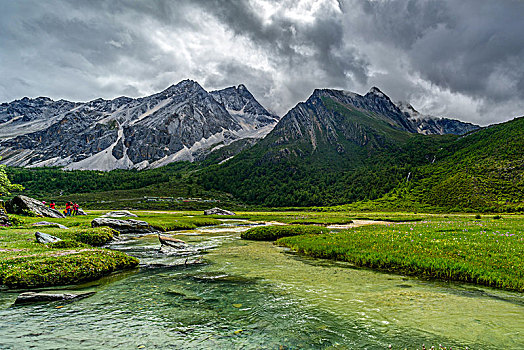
(330, 115)
(429, 125)
(176, 124)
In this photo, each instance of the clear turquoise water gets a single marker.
(254, 295)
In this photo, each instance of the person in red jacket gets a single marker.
(68, 209)
(52, 205)
(75, 209)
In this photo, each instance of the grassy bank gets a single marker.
(24, 263)
(485, 251)
(272, 233)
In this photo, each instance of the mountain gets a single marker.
(183, 122)
(245, 109)
(426, 124)
(29, 115)
(337, 147)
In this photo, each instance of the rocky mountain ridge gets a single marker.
(185, 122)
(180, 123)
(430, 125)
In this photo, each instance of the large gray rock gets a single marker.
(47, 223)
(218, 211)
(81, 212)
(119, 214)
(33, 297)
(19, 204)
(124, 226)
(46, 238)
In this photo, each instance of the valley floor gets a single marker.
(485, 249)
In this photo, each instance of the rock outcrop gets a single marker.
(124, 226)
(22, 204)
(218, 211)
(45, 238)
(119, 214)
(34, 297)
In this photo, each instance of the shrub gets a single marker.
(96, 236)
(272, 233)
(477, 216)
(16, 220)
(67, 244)
(496, 217)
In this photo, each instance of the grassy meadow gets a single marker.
(485, 250)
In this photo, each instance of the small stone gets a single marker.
(119, 214)
(47, 223)
(45, 238)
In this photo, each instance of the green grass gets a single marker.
(485, 251)
(48, 270)
(272, 233)
(24, 263)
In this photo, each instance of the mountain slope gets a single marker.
(336, 147)
(428, 125)
(482, 171)
(180, 123)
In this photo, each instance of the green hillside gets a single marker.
(335, 154)
(483, 171)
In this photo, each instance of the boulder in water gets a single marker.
(124, 226)
(33, 297)
(47, 223)
(218, 211)
(21, 204)
(46, 238)
(119, 214)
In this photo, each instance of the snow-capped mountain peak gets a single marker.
(179, 123)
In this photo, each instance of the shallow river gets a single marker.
(254, 295)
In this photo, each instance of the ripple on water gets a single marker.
(252, 295)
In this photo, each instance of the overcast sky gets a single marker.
(461, 59)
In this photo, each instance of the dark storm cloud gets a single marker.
(298, 47)
(469, 48)
(460, 59)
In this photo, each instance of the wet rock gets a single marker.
(33, 297)
(119, 214)
(22, 204)
(172, 242)
(47, 223)
(218, 211)
(124, 226)
(46, 238)
(177, 263)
